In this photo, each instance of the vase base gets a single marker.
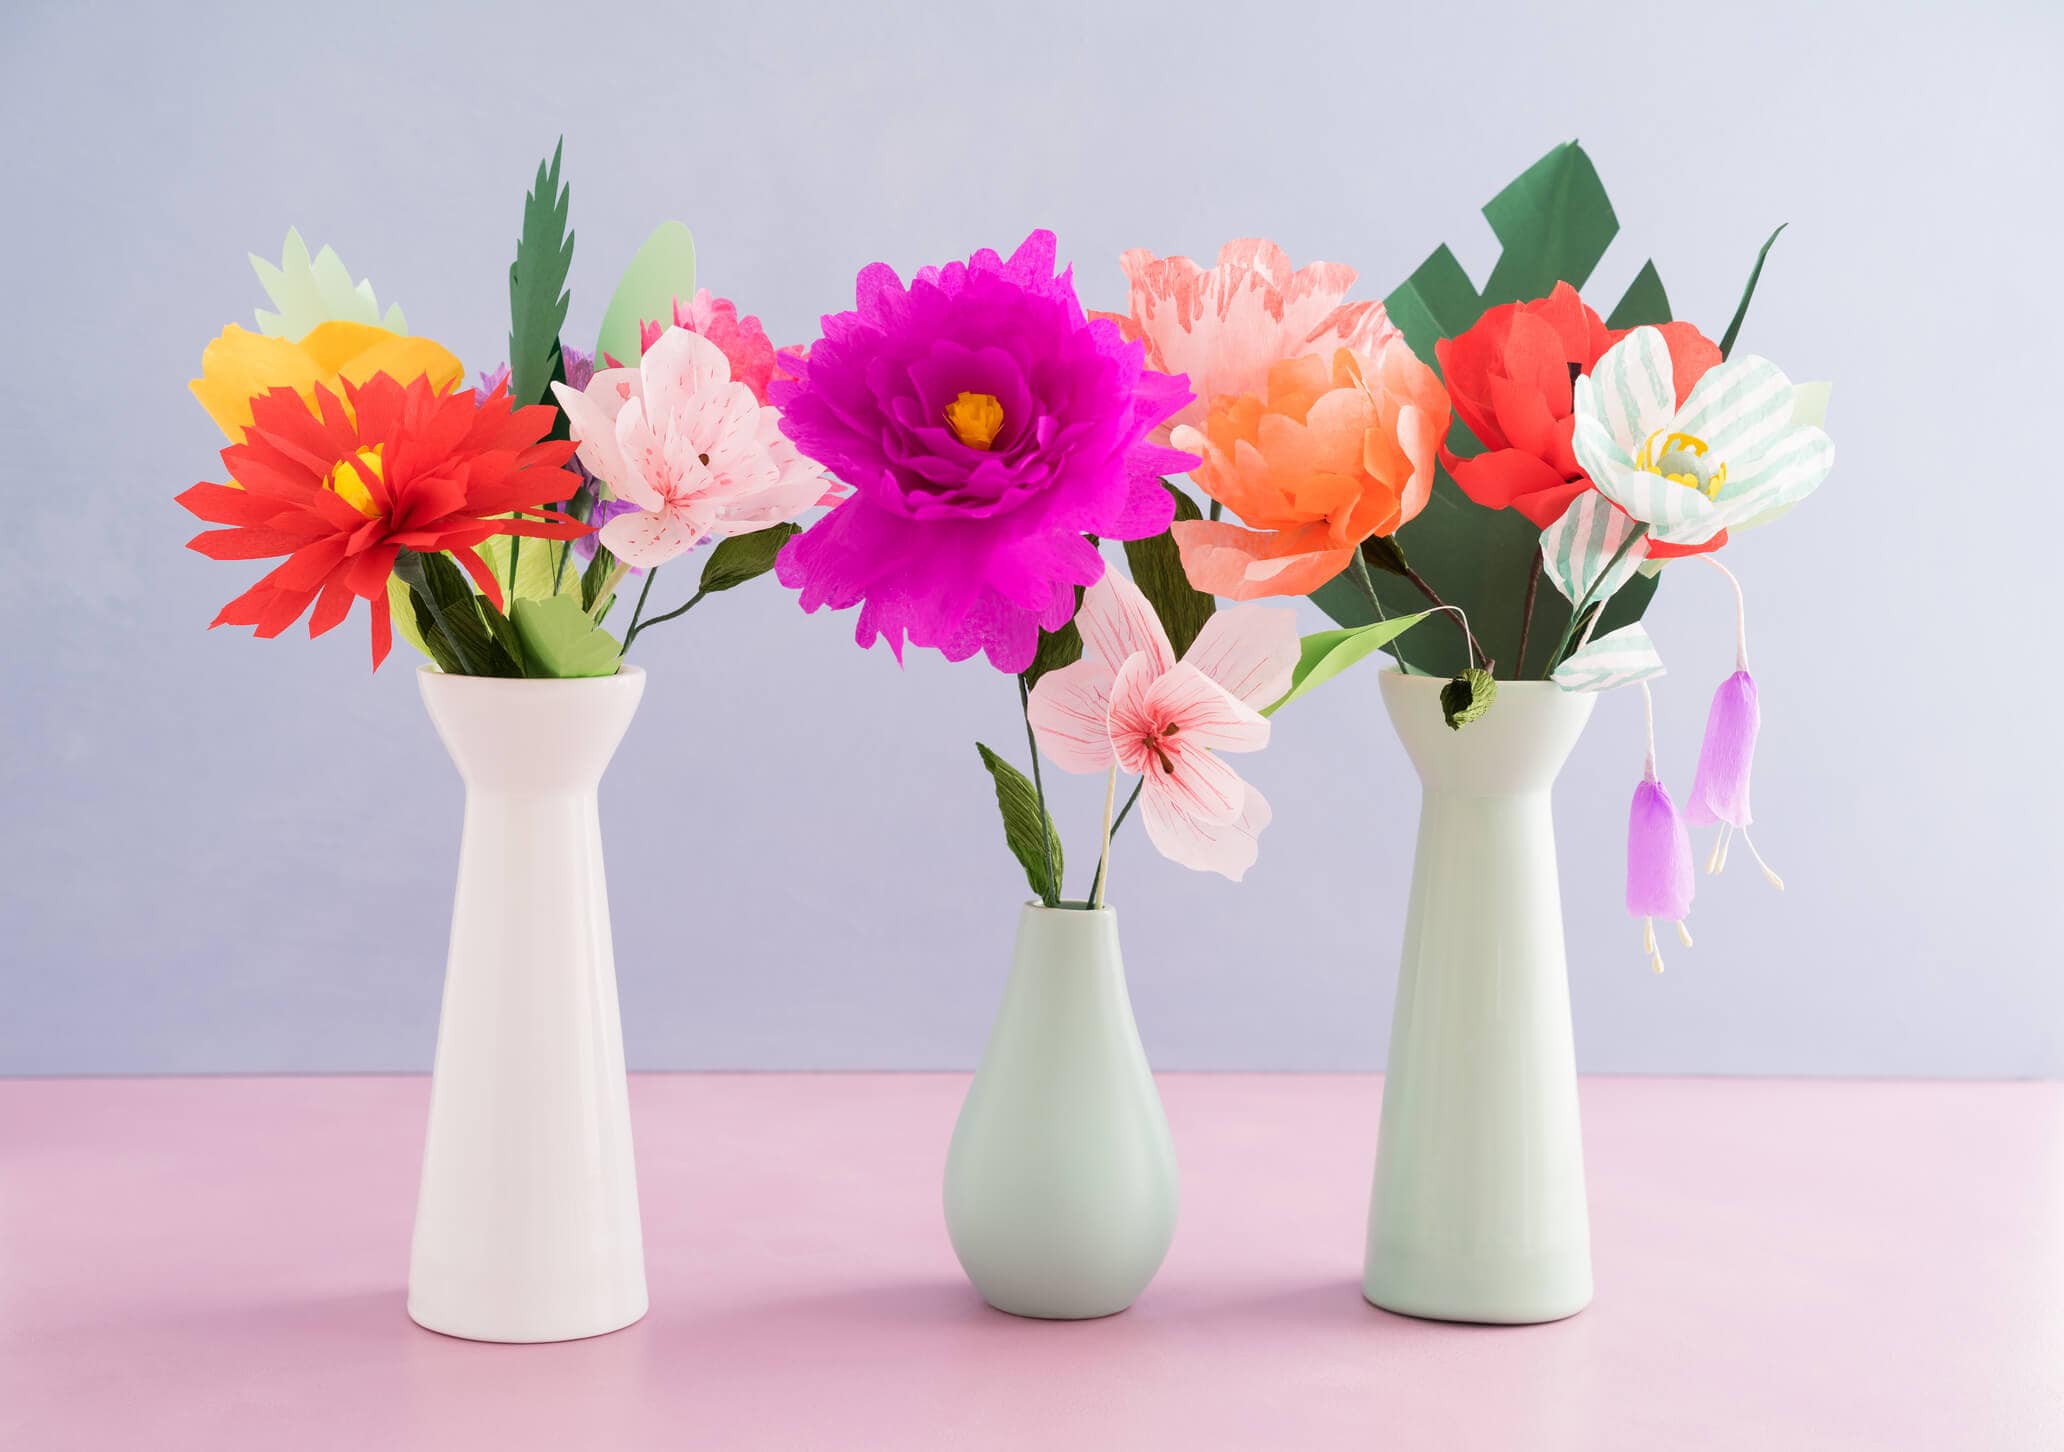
(1046, 1311)
(520, 1333)
(1475, 1313)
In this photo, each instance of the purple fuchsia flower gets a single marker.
(1720, 787)
(986, 426)
(1660, 877)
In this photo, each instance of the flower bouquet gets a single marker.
(997, 438)
(1551, 443)
(492, 527)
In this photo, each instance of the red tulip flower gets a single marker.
(342, 486)
(1510, 378)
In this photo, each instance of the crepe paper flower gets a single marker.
(1728, 457)
(743, 340)
(1342, 448)
(1225, 327)
(1720, 788)
(986, 426)
(342, 489)
(1510, 376)
(311, 291)
(492, 380)
(1660, 880)
(1129, 703)
(239, 366)
(694, 452)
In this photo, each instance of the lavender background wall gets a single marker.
(222, 854)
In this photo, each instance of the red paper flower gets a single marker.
(342, 487)
(1510, 377)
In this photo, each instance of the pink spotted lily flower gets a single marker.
(1660, 878)
(1130, 704)
(691, 450)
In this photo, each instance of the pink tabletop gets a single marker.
(218, 1264)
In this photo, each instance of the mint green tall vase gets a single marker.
(1477, 1211)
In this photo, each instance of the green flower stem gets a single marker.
(639, 609)
(1360, 570)
(638, 626)
(1053, 888)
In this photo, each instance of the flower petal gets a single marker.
(1630, 389)
(1200, 715)
(1070, 712)
(1117, 623)
(1227, 848)
(676, 368)
(1739, 409)
(1250, 651)
(651, 537)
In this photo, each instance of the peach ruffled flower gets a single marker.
(1227, 326)
(1343, 447)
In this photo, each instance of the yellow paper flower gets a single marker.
(240, 365)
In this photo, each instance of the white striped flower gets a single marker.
(1731, 457)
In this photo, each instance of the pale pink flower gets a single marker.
(1129, 701)
(696, 453)
(1226, 326)
(743, 340)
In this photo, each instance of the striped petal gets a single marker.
(1625, 656)
(1673, 512)
(1739, 408)
(1577, 548)
(1117, 623)
(1779, 478)
(1630, 389)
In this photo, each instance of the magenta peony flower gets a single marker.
(986, 426)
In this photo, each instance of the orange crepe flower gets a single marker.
(342, 488)
(1343, 448)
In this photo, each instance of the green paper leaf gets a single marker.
(1057, 648)
(1554, 223)
(1325, 655)
(1157, 570)
(448, 616)
(663, 270)
(1643, 302)
(1018, 800)
(309, 291)
(596, 575)
(1742, 308)
(1467, 697)
(505, 634)
(562, 641)
(1383, 552)
(537, 286)
(744, 557)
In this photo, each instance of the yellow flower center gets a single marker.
(976, 419)
(349, 480)
(1680, 449)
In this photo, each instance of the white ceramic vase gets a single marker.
(1061, 1181)
(1478, 1209)
(527, 1222)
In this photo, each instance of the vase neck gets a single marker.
(1515, 749)
(531, 736)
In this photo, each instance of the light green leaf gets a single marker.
(1157, 569)
(1328, 653)
(538, 297)
(1018, 800)
(663, 270)
(308, 291)
(1809, 404)
(561, 641)
(536, 564)
(744, 557)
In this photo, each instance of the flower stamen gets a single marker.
(1649, 460)
(976, 419)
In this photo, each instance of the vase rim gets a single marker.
(1073, 909)
(428, 671)
(1421, 681)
